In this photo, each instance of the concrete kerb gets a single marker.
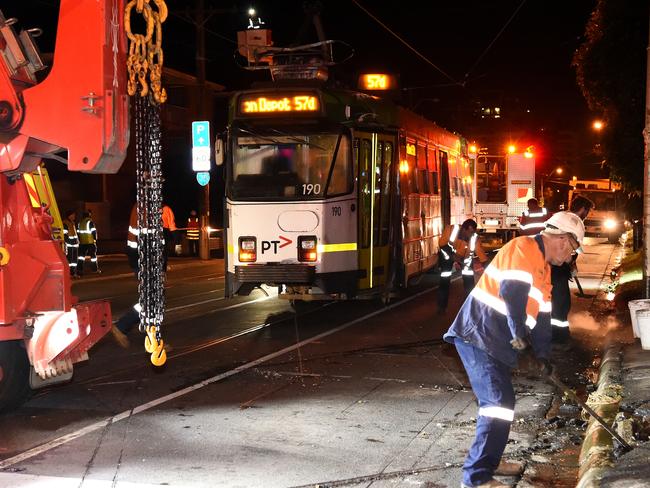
(597, 445)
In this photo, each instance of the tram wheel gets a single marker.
(14, 375)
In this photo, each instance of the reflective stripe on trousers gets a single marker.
(492, 384)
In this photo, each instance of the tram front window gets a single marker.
(291, 167)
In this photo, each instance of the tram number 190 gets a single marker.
(336, 211)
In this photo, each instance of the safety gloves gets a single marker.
(519, 344)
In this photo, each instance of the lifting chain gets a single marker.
(144, 65)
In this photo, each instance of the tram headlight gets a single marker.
(610, 224)
(247, 249)
(307, 249)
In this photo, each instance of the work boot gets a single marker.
(488, 484)
(120, 337)
(509, 468)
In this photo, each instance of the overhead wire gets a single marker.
(403, 41)
(485, 51)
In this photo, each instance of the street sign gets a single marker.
(201, 146)
(203, 178)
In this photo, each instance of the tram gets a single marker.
(336, 194)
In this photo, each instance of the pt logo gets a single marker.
(275, 245)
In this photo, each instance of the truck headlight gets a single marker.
(610, 224)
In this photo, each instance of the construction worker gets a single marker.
(560, 277)
(473, 259)
(87, 242)
(71, 242)
(453, 237)
(532, 219)
(169, 228)
(193, 233)
(508, 310)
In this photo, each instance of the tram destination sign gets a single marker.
(277, 103)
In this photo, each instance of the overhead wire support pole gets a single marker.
(204, 242)
(646, 180)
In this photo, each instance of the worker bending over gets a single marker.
(508, 310)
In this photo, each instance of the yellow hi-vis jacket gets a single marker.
(512, 299)
(87, 231)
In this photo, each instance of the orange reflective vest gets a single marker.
(531, 223)
(168, 221)
(512, 299)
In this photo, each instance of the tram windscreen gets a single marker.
(290, 167)
(491, 179)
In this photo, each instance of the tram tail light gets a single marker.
(247, 249)
(307, 249)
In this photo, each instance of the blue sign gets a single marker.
(203, 178)
(200, 134)
(201, 146)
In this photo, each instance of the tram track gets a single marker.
(130, 412)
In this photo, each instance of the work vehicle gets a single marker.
(607, 217)
(504, 180)
(334, 193)
(81, 107)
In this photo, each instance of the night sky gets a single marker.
(527, 66)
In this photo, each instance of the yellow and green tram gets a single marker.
(335, 194)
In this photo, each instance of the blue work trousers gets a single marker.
(492, 384)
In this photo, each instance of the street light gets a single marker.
(598, 125)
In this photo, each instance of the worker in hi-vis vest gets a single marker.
(71, 240)
(193, 233)
(87, 242)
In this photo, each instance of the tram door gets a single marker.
(375, 154)
(445, 193)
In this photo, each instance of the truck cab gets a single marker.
(607, 217)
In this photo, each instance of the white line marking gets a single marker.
(38, 450)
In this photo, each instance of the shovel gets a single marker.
(572, 394)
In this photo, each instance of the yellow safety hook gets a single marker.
(155, 347)
(159, 356)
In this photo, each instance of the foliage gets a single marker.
(610, 71)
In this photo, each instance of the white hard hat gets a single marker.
(566, 223)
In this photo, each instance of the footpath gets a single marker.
(622, 393)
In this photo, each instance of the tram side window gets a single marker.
(365, 152)
(340, 181)
(433, 172)
(377, 193)
(423, 180)
(412, 174)
(385, 193)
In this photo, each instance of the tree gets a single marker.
(610, 71)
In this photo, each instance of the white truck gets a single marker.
(607, 217)
(503, 184)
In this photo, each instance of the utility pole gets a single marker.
(204, 242)
(646, 180)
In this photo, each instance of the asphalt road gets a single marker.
(253, 394)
